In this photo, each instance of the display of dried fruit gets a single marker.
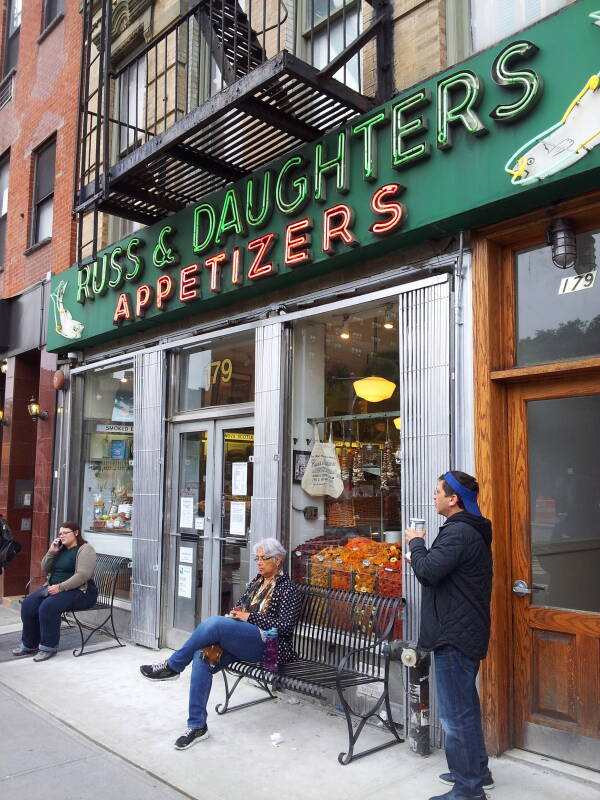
(345, 465)
(358, 565)
(389, 473)
(340, 514)
(358, 475)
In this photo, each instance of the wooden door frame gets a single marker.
(493, 359)
(579, 623)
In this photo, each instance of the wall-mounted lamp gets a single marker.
(561, 238)
(388, 320)
(4, 366)
(345, 330)
(3, 420)
(34, 410)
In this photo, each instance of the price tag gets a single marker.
(575, 283)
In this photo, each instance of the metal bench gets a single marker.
(108, 571)
(339, 642)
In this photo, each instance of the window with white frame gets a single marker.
(474, 25)
(4, 166)
(52, 9)
(43, 192)
(329, 27)
(132, 104)
(13, 28)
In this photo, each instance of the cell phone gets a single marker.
(57, 543)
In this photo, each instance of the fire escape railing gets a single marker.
(211, 47)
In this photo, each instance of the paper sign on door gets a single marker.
(184, 584)
(237, 518)
(239, 478)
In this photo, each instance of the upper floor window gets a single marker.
(52, 9)
(330, 26)
(132, 104)
(474, 25)
(13, 26)
(43, 193)
(3, 207)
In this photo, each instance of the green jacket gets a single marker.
(85, 565)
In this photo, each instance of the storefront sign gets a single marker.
(511, 129)
(102, 427)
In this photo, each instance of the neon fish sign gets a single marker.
(564, 143)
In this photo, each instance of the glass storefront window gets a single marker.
(107, 463)
(218, 374)
(346, 378)
(558, 311)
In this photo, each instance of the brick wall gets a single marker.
(44, 103)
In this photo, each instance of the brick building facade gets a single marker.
(39, 90)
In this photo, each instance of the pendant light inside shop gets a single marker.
(373, 388)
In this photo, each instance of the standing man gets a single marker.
(456, 576)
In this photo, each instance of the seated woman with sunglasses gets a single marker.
(69, 565)
(271, 600)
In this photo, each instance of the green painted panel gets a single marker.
(456, 179)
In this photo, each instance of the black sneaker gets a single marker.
(158, 672)
(487, 783)
(190, 737)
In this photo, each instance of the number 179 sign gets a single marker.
(575, 283)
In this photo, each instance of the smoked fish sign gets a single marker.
(475, 144)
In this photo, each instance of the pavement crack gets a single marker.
(53, 765)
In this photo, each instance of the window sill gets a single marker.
(50, 27)
(37, 246)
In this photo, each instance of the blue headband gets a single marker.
(468, 496)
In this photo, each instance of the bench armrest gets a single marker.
(378, 640)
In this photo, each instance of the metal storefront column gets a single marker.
(148, 465)
(268, 431)
(425, 392)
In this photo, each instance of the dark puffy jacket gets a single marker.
(456, 575)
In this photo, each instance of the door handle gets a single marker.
(521, 588)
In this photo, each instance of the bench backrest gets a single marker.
(336, 621)
(106, 574)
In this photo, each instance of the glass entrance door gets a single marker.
(207, 560)
(555, 495)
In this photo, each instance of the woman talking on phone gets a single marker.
(69, 565)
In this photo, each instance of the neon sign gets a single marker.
(564, 143)
(423, 165)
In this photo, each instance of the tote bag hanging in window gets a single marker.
(322, 475)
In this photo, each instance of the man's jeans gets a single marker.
(460, 716)
(41, 614)
(240, 641)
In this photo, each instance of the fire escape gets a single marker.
(226, 88)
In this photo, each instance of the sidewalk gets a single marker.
(40, 757)
(104, 698)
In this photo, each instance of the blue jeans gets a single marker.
(239, 640)
(460, 716)
(41, 613)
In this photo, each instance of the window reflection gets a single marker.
(564, 474)
(218, 374)
(553, 326)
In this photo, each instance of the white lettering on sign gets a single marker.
(575, 283)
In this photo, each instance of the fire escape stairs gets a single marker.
(266, 109)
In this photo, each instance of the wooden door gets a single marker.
(554, 463)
